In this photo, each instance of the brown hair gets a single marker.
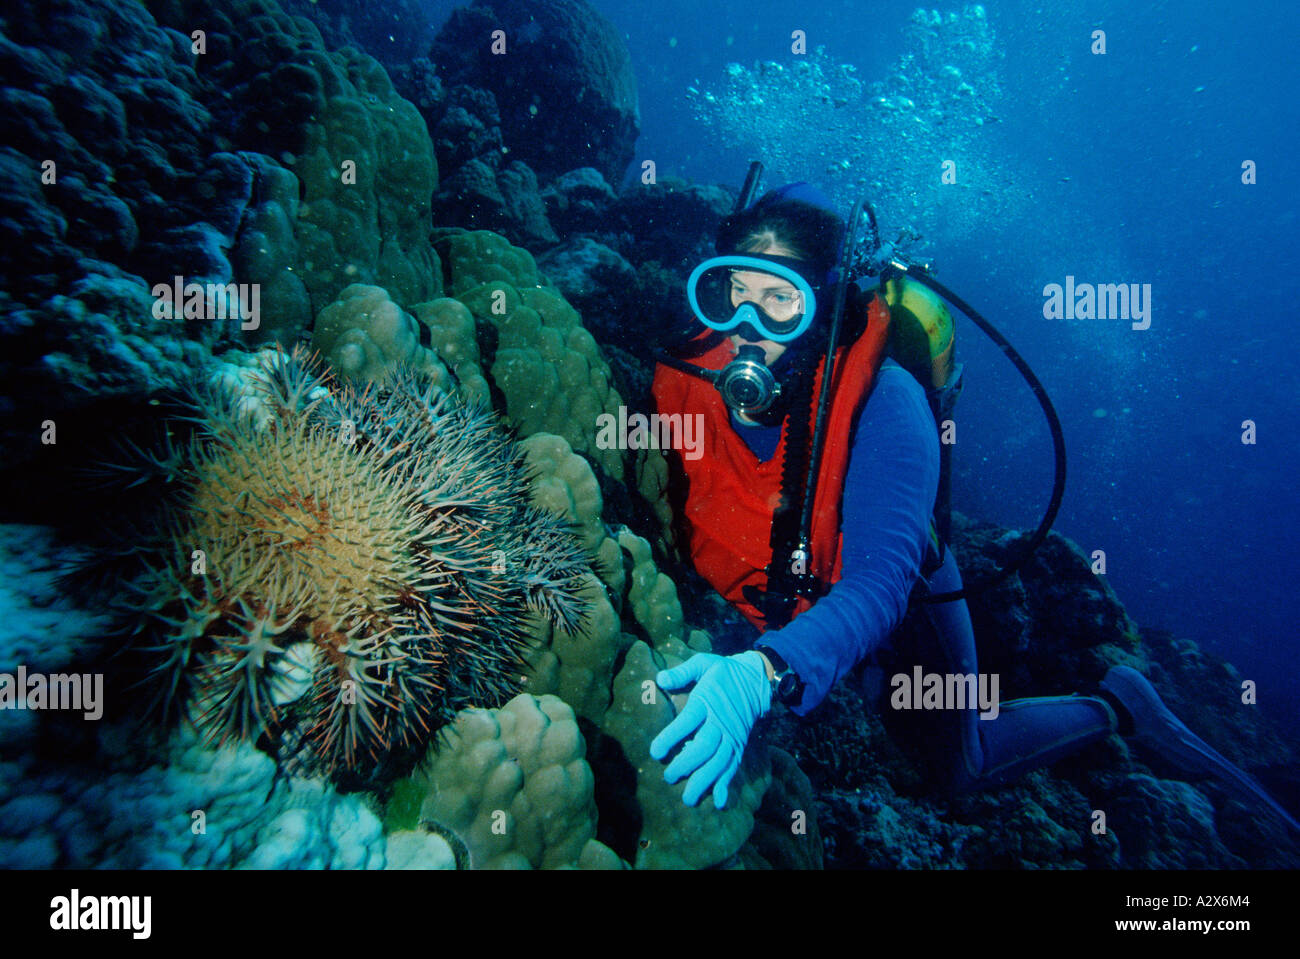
(808, 231)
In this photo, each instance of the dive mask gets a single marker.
(758, 296)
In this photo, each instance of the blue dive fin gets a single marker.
(1161, 731)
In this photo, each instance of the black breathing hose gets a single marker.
(922, 275)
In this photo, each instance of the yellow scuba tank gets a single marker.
(921, 331)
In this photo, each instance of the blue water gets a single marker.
(1115, 168)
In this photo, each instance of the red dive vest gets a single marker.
(731, 496)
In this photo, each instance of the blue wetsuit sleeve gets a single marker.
(889, 492)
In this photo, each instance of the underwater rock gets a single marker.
(596, 281)
(577, 201)
(505, 201)
(673, 221)
(1050, 626)
(471, 198)
(1165, 824)
(392, 32)
(70, 357)
(1043, 822)
(564, 85)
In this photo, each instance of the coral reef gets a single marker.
(673, 221)
(578, 201)
(360, 152)
(393, 32)
(41, 626)
(585, 272)
(182, 805)
(506, 200)
(337, 578)
(140, 153)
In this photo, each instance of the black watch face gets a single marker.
(787, 688)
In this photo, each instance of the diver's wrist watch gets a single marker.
(787, 687)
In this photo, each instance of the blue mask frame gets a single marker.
(752, 313)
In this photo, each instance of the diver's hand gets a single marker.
(730, 694)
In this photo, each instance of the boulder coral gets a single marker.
(361, 153)
(371, 227)
(671, 834)
(452, 336)
(510, 788)
(544, 363)
(365, 336)
(476, 257)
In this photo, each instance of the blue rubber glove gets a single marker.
(730, 694)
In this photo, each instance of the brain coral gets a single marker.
(346, 570)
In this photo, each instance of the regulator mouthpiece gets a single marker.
(746, 384)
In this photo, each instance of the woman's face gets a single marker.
(775, 295)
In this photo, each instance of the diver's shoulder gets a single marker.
(893, 376)
(897, 391)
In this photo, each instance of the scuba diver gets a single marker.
(813, 507)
